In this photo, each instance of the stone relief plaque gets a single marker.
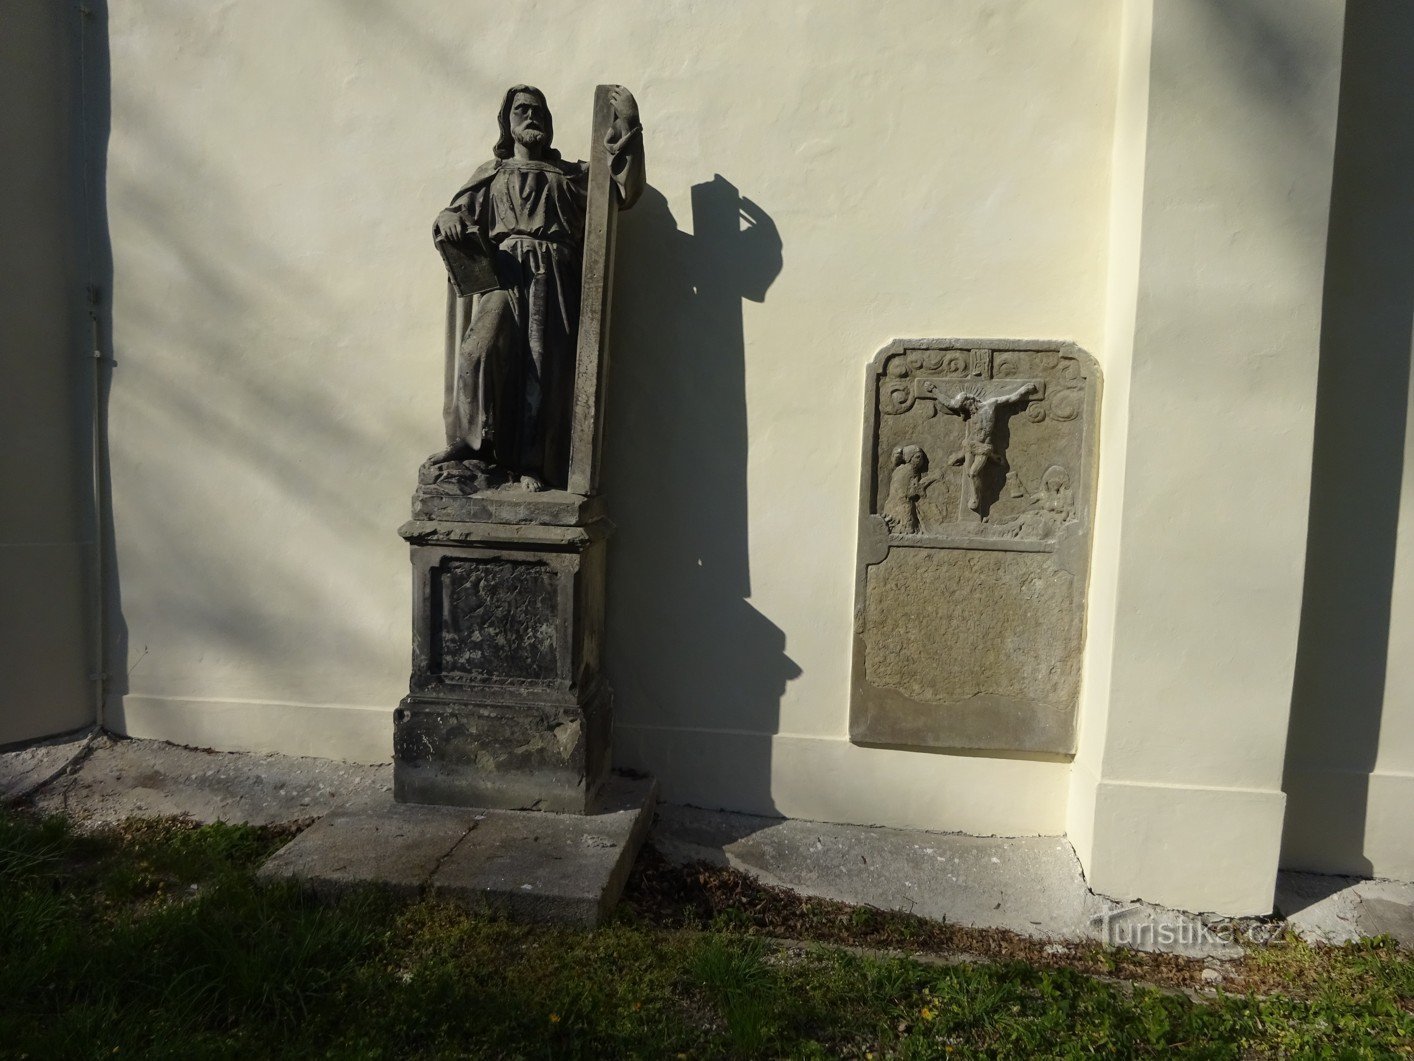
(976, 505)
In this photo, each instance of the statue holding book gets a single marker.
(513, 243)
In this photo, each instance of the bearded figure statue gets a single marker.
(513, 240)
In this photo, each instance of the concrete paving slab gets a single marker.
(1031, 885)
(30, 767)
(1025, 884)
(1319, 907)
(1331, 909)
(535, 866)
(121, 778)
(1387, 917)
(396, 846)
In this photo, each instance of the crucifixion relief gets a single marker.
(974, 544)
(979, 450)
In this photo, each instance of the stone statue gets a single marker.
(979, 435)
(521, 219)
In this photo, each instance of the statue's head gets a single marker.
(525, 119)
(969, 399)
(1056, 479)
(913, 456)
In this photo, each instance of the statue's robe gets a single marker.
(515, 365)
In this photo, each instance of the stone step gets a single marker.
(527, 865)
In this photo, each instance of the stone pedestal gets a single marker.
(507, 707)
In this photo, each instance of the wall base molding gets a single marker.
(829, 779)
(353, 733)
(1212, 850)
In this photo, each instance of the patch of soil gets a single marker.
(700, 895)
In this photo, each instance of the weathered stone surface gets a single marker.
(108, 780)
(1338, 910)
(396, 846)
(29, 767)
(528, 245)
(519, 755)
(529, 865)
(514, 505)
(553, 867)
(1031, 885)
(952, 877)
(995, 606)
(506, 705)
(612, 184)
(974, 544)
(498, 617)
(432, 532)
(491, 614)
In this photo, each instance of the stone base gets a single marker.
(520, 756)
(526, 865)
(506, 705)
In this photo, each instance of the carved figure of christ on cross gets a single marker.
(979, 417)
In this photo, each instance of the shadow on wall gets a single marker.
(1358, 465)
(47, 600)
(688, 654)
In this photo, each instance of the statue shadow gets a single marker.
(1344, 649)
(698, 672)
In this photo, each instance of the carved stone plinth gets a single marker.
(974, 544)
(507, 706)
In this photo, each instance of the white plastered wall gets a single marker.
(928, 169)
(1350, 759)
(45, 530)
(1177, 792)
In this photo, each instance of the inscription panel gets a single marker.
(1001, 613)
(975, 500)
(495, 619)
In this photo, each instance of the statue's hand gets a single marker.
(625, 108)
(450, 226)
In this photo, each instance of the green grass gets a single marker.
(156, 941)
